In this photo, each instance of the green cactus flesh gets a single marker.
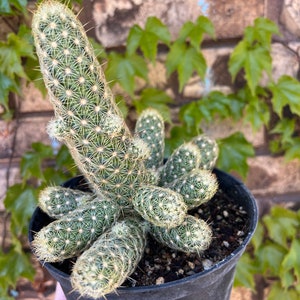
(110, 260)
(196, 187)
(209, 151)
(150, 128)
(184, 159)
(160, 206)
(192, 236)
(87, 118)
(73, 233)
(57, 201)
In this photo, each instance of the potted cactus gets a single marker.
(128, 195)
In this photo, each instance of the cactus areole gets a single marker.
(131, 197)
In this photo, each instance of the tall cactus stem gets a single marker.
(87, 119)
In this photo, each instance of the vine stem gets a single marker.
(17, 103)
(9, 25)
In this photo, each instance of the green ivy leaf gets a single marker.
(253, 53)
(286, 92)
(7, 85)
(63, 159)
(191, 61)
(64, 169)
(174, 55)
(124, 68)
(282, 225)
(155, 26)
(5, 7)
(286, 142)
(286, 128)
(291, 261)
(292, 152)
(10, 61)
(257, 113)
(31, 162)
(258, 60)
(34, 74)
(13, 265)
(269, 257)
(287, 279)
(134, 38)
(195, 31)
(261, 32)
(253, 59)
(99, 50)
(185, 60)
(12, 51)
(237, 58)
(154, 98)
(8, 6)
(149, 45)
(277, 292)
(221, 105)
(258, 237)
(20, 202)
(215, 104)
(234, 152)
(244, 274)
(154, 32)
(191, 116)
(148, 39)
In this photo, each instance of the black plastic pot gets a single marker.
(212, 284)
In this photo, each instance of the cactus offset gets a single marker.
(193, 235)
(112, 258)
(209, 151)
(150, 128)
(184, 159)
(160, 206)
(56, 201)
(71, 234)
(87, 118)
(196, 187)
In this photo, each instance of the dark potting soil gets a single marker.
(161, 264)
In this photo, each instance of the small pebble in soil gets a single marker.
(226, 244)
(207, 264)
(160, 280)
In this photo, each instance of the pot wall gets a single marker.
(213, 284)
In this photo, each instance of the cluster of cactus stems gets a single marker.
(133, 193)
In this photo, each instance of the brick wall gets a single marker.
(271, 179)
